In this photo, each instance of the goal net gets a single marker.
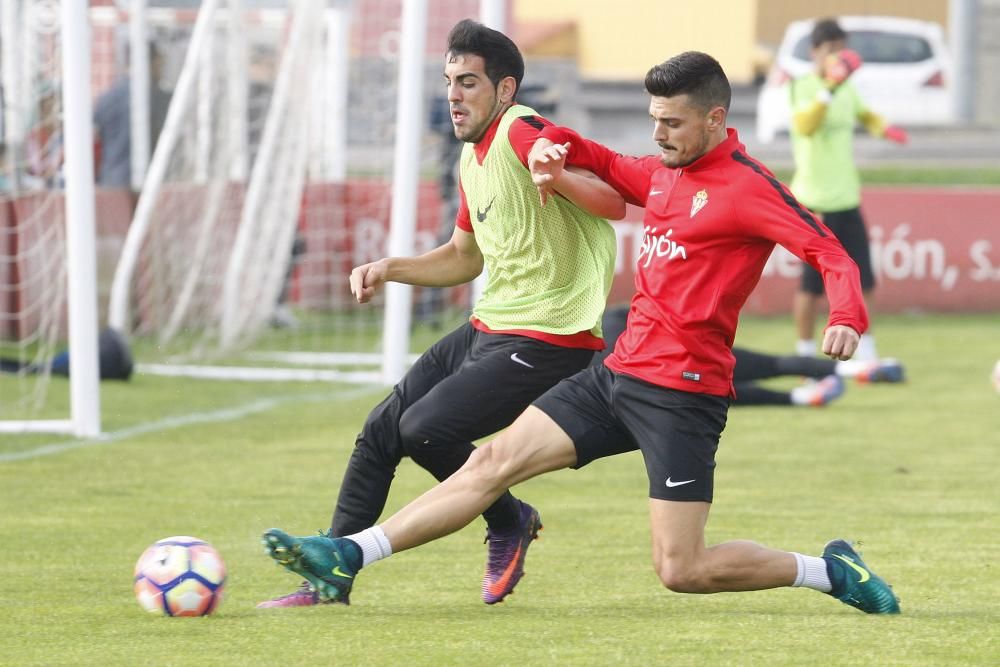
(275, 171)
(274, 176)
(46, 228)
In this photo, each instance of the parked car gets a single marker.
(905, 78)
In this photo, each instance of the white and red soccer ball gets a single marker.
(180, 576)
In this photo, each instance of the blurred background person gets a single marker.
(825, 108)
(752, 366)
(43, 144)
(5, 184)
(112, 123)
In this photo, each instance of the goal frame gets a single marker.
(81, 274)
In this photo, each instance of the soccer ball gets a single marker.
(180, 576)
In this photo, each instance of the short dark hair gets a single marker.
(695, 74)
(499, 52)
(826, 30)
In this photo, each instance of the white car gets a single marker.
(905, 76)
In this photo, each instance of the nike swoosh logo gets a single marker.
(340, 573)
(857, 568)
(518, 360)
(653, 193)
(673, 484)
(481, 215)
(497, 586)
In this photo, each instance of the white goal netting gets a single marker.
(273, 129)
(33, 321)
(271, 179)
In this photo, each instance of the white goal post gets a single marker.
(301, 138)
(27, 31)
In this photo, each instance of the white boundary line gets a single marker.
(223, 415)
(260, 374)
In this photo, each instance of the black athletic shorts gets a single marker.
(849, 228)
(607, 413)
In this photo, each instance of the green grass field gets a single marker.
(909, 470)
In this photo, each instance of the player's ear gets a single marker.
(716, 118)
(506, 89)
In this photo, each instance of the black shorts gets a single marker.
(849, 228)
(607, 413)
(471, 384)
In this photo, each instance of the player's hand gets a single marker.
(366, 279)
(839, 66)
(896, 134)
(840, 342)
(546, 162)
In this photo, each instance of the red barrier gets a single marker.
(933, 249)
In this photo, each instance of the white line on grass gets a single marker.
(227, 414)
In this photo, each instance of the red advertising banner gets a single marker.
(933, 249)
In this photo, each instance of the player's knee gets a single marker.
(488, 467)
(679, 575)
(415, 434)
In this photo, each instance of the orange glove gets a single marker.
(896, 134)
(839, 66)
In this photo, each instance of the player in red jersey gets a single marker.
(713, 216)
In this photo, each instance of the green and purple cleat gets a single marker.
(505, 557)
(328, 564)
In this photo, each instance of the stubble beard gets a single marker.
(480, 131)
(702, 149)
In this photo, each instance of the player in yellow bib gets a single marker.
(826, 107)
(548, 274)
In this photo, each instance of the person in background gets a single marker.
(752, 366)
(825, 107)
(43, 144)
(5, 184)
(113, 128)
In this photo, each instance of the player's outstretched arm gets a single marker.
(590, 193)
(456, 262)
(877, 127)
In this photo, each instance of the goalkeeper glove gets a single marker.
(896, 134)
(839, 66)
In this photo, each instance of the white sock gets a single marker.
(866, 348)
(374, 544)
(811, 573)
(805, 347)
(802, 395)
(850, 368)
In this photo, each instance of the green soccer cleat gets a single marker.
(854, 583)
(329, 564)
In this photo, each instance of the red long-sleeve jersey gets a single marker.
(709, 229)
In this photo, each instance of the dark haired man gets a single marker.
(825, 107)
(713, 216)
(538, 321)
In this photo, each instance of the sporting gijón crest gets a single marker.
(698, 202)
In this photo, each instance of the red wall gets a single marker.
(934, 249)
